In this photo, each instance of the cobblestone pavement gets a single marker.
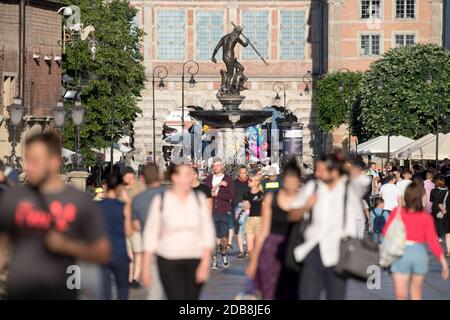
(224, 284)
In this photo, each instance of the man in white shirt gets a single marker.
(403, 184)
(391, 194)
(320, 250)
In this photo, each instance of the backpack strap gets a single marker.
(161, 204)
(345, 203)
(444, 202)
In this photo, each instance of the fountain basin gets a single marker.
(221, 118)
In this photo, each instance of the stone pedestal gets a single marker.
(78, 179)
(230, 101)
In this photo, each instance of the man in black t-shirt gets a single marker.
(50, 225)
(200, 187)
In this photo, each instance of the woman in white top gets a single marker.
(180, 233)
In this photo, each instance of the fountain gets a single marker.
(229, 94)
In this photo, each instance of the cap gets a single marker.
(271, 171)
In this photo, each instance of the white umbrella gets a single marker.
(364, 145)
(427, 151)
(118, 151)
(379, 146)
(67, 155)
(412, 150)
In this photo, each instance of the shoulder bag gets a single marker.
(394, 241)
(356, 255)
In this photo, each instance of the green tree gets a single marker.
(398, 81)
(118, 56)
(336, 96)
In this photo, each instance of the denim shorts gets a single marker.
(242, 223)
(230, 221)
(222, 223)
(414, 260)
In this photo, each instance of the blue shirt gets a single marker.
(141, 204)
(114, 223)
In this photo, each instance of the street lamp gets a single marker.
(16, 112)
(341, 91)
(307, 79)
(77, 118)
(277, 87)
(381, 86)
(192, 69)
(192, 82)
(160, 72)
(429, 82)
(59, 115)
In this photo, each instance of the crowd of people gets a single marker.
(167, 237)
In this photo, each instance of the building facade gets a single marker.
(30, 63)
(177, 31)
(295, 37)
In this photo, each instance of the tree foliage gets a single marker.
(118, 56)
(413, 102)
(334, 107)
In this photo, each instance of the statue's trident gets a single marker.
(251, 44)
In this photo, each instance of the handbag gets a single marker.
(394, 241)
(296, 237)
(356, 255)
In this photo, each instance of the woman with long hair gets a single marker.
(117, 221)
(408, 272)
(180, 233)
(267, 267)
(252, 201)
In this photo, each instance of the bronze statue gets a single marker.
(233, 78)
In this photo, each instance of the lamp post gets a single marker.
(429, 82)
(277, 87)
(16, 112)
(380, 88)
(113, 107)
(77, 118)
(161, 72)
(59, 116)
(341, 90)
(192, 69)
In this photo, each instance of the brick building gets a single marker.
(360, 31)
(293, 36)
(30, 62)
